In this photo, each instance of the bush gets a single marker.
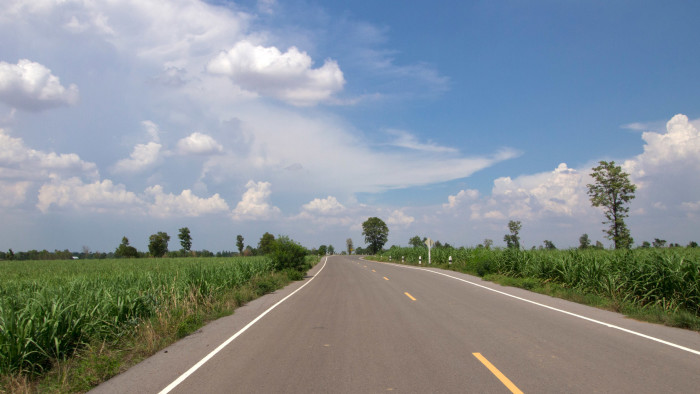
(287, 254)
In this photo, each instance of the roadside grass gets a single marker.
(180, 312)
(657, 286)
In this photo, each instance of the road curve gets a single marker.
(362, 326)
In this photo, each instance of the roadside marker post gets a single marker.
(420, 259)
(450, 260)
(401, 259)
(389, 258)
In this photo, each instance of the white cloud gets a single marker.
(199, 144)
(398, 218)
(407, 140)
(142, 157)
(254, 203)
(99, 196)
(185, 204)
(288, 76)
(13, 193)
(460, 198)
(17, 161)
(31, 86)
(324, 206)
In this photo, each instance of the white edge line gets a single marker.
(206, 358)
(554, 309)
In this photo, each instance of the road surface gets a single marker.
(356, 326)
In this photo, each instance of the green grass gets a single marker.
(68, 325)
(659, 285)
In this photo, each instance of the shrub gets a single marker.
(287, 254)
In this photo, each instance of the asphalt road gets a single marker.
(365, 327)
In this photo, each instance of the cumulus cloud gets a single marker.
(460, 198)
(199, 144)
(99, 196)
(142, 157)
(255, 204)
(31, 86)
(329, 205)
(288, 76)
(17, 161)
(184, 204)
(13, 193)
(399, 218)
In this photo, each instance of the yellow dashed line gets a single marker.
(506, 382)
(409, 296)
(386, 278)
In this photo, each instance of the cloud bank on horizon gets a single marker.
(208, 117)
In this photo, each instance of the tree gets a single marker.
(265, 243)
(124, 250)
(659, 243)
(599, 245)
(692, 244)
(376, 234)
(488, 243)
(513, 240)
(416, 242)
(613, 190)
(239, 244)
(185, 239)
(158, 244)
(584, 242)
(331, 249)
(287, 254)
(322, 250)
(549, 245)
(645, 245)
(348, 243)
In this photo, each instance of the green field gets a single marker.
(664, 278)
(51, 309)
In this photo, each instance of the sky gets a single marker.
(304, 118)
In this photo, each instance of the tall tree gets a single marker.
(416, 242)
(513, 240)
(124, 250)
(488, 243)
(265, 244)
(185, 239)
(348, 243)
(322, 250)
(239, 243)
(584, 242)
(613, 190)
(376, 234)
(331, 249)
(158, 244)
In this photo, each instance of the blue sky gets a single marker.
(304, 118)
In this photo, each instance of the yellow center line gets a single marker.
(386, 278)
(374, 271)
(506, 382)
(409, 296)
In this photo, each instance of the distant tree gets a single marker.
(10, 254)
(438, 244)
(323, 250)
(692, 244)
(348, 243)
(376, 234)
(331, 249)
(158, 244)
(361, 250)
(584, 242)
(248, 251)
(599, 245)
(416, 242)
(265, 243)
(674, 245)
(513, 240)
(239, 243)
(488, 243)
(287, 254)
(658, 243)
(549, 244)
(646, 245)
(185, 239)
(124, 250)
(613, 190)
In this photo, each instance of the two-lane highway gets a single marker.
(361, 326)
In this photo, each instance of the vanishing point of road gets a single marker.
(356, 326)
